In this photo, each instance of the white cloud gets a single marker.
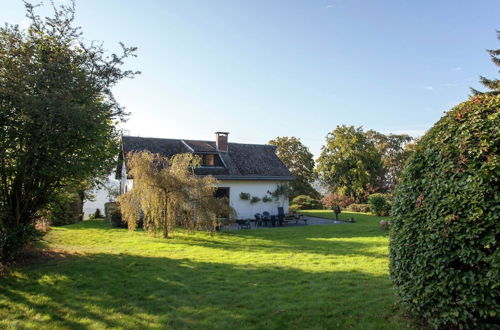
(429, 88)
(329, 6)
(457, 68)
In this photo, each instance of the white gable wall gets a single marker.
(259, 188)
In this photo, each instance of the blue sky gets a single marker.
(261, 69)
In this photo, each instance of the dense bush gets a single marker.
(359, 208)
(113, 215)
(107, 207)
(293, 207)
(97, 214)
(306, 202)
(65, 209)
(332, 199)
(379, 205)
(444, 230)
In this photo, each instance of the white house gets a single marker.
(253, 169)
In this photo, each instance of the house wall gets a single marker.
(244, 208)
(101, 197)
(125, 184)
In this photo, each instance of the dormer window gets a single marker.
(210, 160)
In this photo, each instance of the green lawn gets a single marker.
(311, 277)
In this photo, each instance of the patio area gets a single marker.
(304, 221)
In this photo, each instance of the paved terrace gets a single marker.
(311, 221)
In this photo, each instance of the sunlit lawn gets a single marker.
(315, 277)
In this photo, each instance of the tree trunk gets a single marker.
(165, 226)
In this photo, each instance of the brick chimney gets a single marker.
(221, 141)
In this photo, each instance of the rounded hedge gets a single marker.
(379, 204)
(445, 220)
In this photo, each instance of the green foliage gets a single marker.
(167, 195)
(244, 196)
(65, 209)
(14, 241)
(254, 200)
(97, 214)
(57, 115)
(267, 199)
(299, 161)
(349, 163)
(294, 207)
(379, 205)
(394, 149)
(107, 207)
(333, 199)
(444, 252)
(306, 202)
(365, 208)
(492, 84)
(115, 217)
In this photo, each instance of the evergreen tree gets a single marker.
(492, 84)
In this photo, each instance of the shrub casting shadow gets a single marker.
(108, 290)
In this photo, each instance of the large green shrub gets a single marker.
(113, 215)
(65, 209)
(445, 220)
(305, 202)
(379, 205)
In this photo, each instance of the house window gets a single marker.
(210, 160)
(222, 192)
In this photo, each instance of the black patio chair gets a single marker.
(266, 218)
(258, 219)
(281, 216)
(274, 219)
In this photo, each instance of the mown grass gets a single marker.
(314, 277)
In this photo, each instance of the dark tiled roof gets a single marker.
(242, 161)
(201, 146)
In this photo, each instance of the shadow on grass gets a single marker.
(128, 291)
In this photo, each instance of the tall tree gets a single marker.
(350, 163)
(492, 84)
(299, 160)
(167, 193)
(394, 150)
(57, 117)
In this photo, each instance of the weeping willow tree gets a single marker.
(167, 194)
